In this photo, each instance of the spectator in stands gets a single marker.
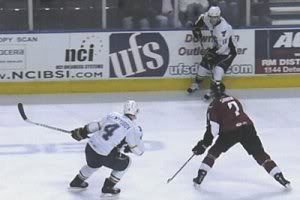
(161, 13)
(260, 12)
(134, 14)
(190, 10)
(143, 14)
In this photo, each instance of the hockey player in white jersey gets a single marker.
(218, 58)
(108, 139)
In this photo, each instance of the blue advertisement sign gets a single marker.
(277, 51)
(138, 55)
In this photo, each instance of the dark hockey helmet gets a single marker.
(217, 89)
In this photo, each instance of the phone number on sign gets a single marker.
(281, 69)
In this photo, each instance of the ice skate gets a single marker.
(279, 177)
(194, 87)
(78, 184)
(207, 96)
(198, 180)
(109, 191)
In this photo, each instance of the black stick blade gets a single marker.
(21, 111)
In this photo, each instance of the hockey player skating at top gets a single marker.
(217, 59)
(114, 132)
(227, 119)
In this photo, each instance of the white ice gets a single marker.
(38, 163)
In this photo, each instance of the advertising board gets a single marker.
(112, 55)
(277, 51)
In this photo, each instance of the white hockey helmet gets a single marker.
(214, 14)
(131, 108)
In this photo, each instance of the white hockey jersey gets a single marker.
(111, 130)
(222, 34)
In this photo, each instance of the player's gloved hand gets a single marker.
(199, 148)
(212, 51)
(197, 32)
(210, 56)
(203, 51)
(127, 149)
(79, 133)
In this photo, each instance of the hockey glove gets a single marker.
(210, 57)
(200, 148)
(197, 32)
(79, 133)
(127, 149)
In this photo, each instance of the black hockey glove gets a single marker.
(123, 145)
(79, 133)
(127, 149)
(210, 56)
(197, 32)
(199, 148)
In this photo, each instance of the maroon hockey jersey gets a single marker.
(228, 112)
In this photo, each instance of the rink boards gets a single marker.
(140, 61)
(142, 85)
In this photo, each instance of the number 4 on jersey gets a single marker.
(109, 130)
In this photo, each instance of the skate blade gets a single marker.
(109, 196)
(76, 189)
(288, 187)
(197, 186)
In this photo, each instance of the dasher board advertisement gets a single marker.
(53, 57)
(175, 54)
(112, 55)
(277, 51)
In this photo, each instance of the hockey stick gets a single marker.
(201, 44)
(22, 113)
(190, 158)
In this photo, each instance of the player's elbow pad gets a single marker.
(93, 127)
(138, 150)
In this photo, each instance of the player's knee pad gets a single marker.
(118, 174)
(212, 156)
(261, 158)
(209, 159)
(203, 71)
(123, 162)
(218, 73)
(214, 152)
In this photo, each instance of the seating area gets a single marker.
(67, 14)
(13, 15)
(51, 14)
(58, 15)
(285, 12)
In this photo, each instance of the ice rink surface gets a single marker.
(38, 163)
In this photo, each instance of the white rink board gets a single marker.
(98, 55)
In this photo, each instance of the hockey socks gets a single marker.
(278, 176)
(202, 172)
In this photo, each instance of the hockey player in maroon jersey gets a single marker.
(227, 119)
